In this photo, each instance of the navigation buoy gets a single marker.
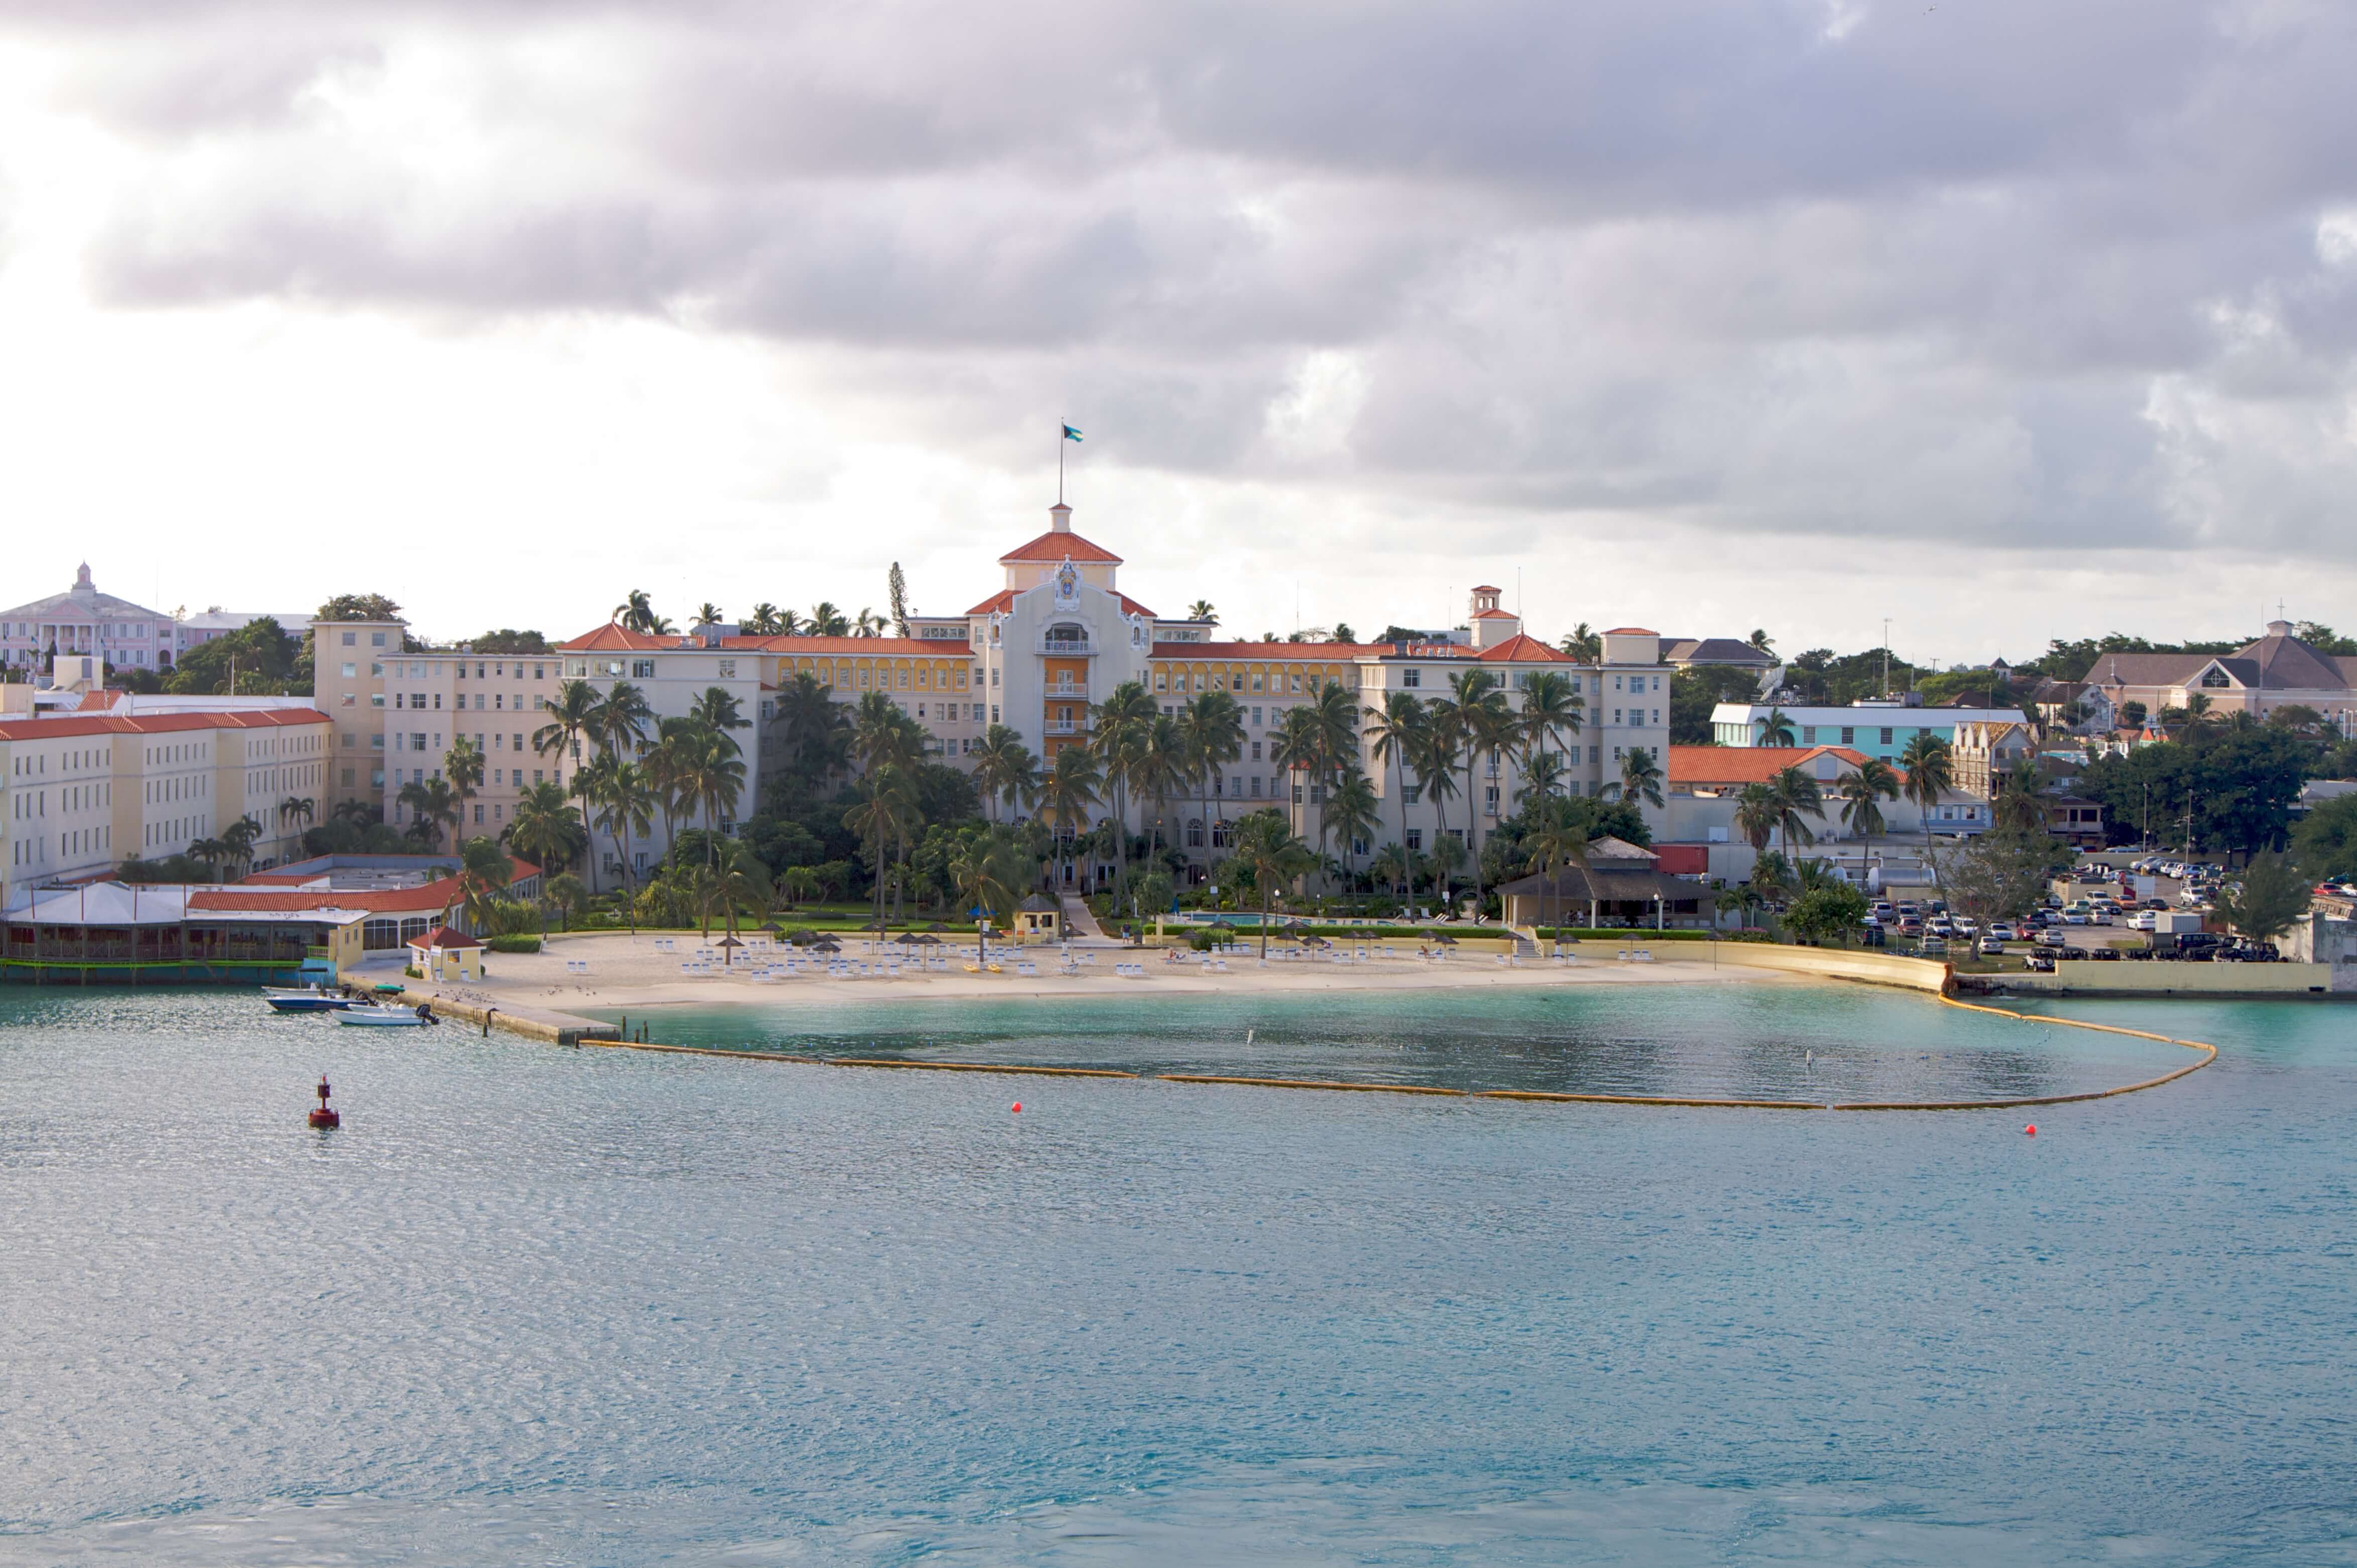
(322, 1116)
(2031, 1129)
(1018, 1108)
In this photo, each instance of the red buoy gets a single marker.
(323, 1117)
(2031, 1129)
(1018, 1108)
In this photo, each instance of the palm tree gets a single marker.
(1334, 729)
(714, 778)
(1550, 703)
(1776, 729)
(1754, 815)
(636, 612)
(1797, 796)
(869, 624)
(568, 893)
(239, 837)
(763, 620)
(1122, 728)
(464, 767)
(1351, 810)
(626, 808)
(1931, 772)
(1202, 610)
(665, 764)
(1435, 761)
(827, 621)
(1862, 793)
(1556, 841)
(1641, 778)
(888, 801)
(1069, 791)
(1393, 734)
(1212, 727)
(211, 852)
(1762, 641)
(991, 872)
(709, 614)
(2018, 805)
(1295, 749)
(484, 870)
(621, 718)
(719, 710)
(295, 809)
(1542, 778)
(741, 883)
(1448, 854)
(1390, 866)
(434, 807)
(571, 716)
(1487, 726)
(1267, 846)
(1162, 773)
(1585, 647)
(545, 831)
(1004, 769)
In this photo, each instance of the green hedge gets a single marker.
(512, 944)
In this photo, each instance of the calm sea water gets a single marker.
(550, 1306)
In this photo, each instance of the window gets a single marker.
(1256, 720)
(351, 700)
(479, 816)
(1412, 678)
(2216, 678)
(1220, 835)
(376, 640)
(1415, 839)
(1657, 713)
(1886, 736)
(352, 638)
(1255, 745)
(1256, 786)
(642, 669)
(1808, 734)
(729, 670)
(1616, 715)
(1410, 793)
(350, 669)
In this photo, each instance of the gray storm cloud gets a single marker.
(2010, 271)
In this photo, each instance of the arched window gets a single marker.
(2215, 678)
(1220, 836)
(1195, 833)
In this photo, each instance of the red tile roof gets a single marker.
(870, 646)
(1751, 764)
(1054, 546)
(1632, 631)
(1488, 588)
(1495, 615)
(1524, 648)
(611, 638)
(442, 937)
(158, 724)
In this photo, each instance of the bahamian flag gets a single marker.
(1070, 433)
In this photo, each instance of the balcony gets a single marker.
(1067, 646)
(1067, 726)
(1078, 691)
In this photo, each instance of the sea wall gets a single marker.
(1874, 968)
(533, 1023)
(2084, 979)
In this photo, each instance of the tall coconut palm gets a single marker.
(1334, 723)
(1202, 610)
(1489, 727)
(1754, 815)
(570, 717)
(763, 620)
(1797, 796)
(888, 802)
(1556, 840)
(713, 779)
(1393, 732)
(1295, 748)
(1776, 729)
(1353, 811)
(868, 624)
(826, 620)
(484, 871)
(1551, 704)
(296, 808)
(1585, 647)
(1004, 770)
(665, 764)
(1862, 794)
(2017, 799)
(709, 614)
(464, 766)
(1267, 846)
(1435, 761)
(1390, 866)
(622, 719)
(626, 810)
(637, 612)
(1931, 773)
(1122, 728)
(1069, 792)
(1212, 726)
(720, 710)
(1162, 773)
(1543, 777)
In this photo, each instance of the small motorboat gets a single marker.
(305, 999)
(382, 1016)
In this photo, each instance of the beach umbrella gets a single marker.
(727, 951)
(774, 927)
(1444, 938)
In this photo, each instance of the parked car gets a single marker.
(2075, 916)
(1990, 946)
(2110, 955)
(2002, 931)
(2042, 962)
(2144, 921)
(2052, 939)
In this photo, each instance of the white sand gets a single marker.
(632, 972)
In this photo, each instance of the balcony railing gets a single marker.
(1076, 693)
(1067, 647)
(1067, 726)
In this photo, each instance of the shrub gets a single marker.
(512, 944)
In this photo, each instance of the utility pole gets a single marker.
(1886, 656)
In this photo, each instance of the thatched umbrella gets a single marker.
(728, 946)
(1444, 938)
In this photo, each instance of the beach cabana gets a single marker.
(1040, 917)
(445, 955)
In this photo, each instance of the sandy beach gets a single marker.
(624, 972)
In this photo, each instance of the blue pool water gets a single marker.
(556, 1306)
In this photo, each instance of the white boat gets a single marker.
(378, 1015)
(305, 999)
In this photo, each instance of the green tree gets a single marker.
(1796, 796)
(433, 807)
(2325, 844)
(1833, 909)
(1557, 838)
(1862, 794)
(484, 871)
(544, 829)
(464, 767)
(1931, 773)
(507, 639)
(1754, 815)
(1585, 645)
(1211, 727)
(1776, 730)
(2269, 900)
(572, 715)
(1641, 778)
(358, 606)
(1268, 849)
(637, 613)
(2000, 875)
(896, 588)
(1696, 693)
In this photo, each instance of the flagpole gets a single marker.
(1059, 463)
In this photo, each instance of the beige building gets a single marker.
(1059, 635)
(1983, 753)
(80, 793)
(397, 715)
(2278, 671)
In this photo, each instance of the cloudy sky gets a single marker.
(2001, 318)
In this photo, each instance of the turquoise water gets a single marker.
(531, 1304)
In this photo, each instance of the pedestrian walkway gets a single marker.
(1078, 921)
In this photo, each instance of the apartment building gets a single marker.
(80, 793)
